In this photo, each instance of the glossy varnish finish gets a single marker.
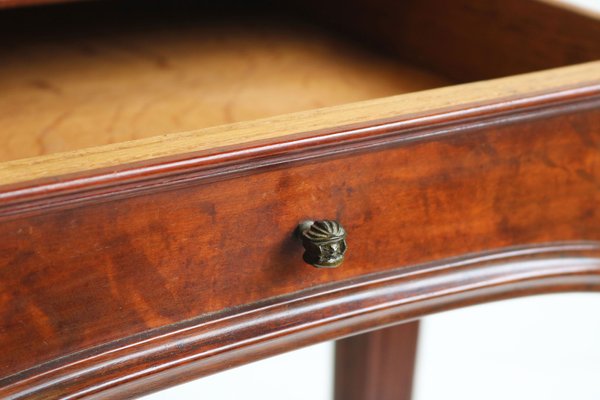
(80, 277)
(117, 71)
(203, 345)
(134, 266)
(168, 156)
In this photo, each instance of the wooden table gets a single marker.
(158, 158)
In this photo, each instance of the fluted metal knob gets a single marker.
(324, 243)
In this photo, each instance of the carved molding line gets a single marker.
(166, 173)
(209, 344)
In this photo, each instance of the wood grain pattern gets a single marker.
(114, 65)
(377, 365)
(83, 280)
(421, 107)
(130, 267)
(202, 346)
(101, 86)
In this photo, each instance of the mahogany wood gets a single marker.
(90, 80)
(467, 40)
(97, 280)
(168, 154)
(377, 365)
(128, 268)
(174, 354)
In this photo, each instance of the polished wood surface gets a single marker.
(420, 108)
(377, 365)
(112, 71)
(88, 278)
(468, 40)
(101, 86)
(137, 265)
(194, 348)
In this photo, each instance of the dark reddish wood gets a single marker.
(468, 40)
(123, 287)
(481, 39)
(118, 282)
(174, 354)
(160, 174)
(377, 365)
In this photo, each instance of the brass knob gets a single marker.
(324, 243)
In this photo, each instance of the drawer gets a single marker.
(125, 258)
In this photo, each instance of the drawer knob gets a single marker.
(324, 243)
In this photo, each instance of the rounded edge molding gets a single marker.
(192, 349)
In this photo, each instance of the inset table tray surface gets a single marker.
(157, 161)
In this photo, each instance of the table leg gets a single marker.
(378, 365)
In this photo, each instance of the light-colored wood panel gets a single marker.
(168, 145)
(67, 93)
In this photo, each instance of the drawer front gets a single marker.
(78, 277)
